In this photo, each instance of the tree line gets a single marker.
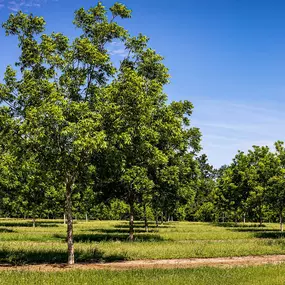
(252, 186)
(87, 137)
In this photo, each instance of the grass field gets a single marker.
(258, 275)
(101, 241)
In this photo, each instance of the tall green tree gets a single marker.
(56, 95)
(179, 142)
(135, 99)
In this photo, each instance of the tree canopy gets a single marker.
(75, 123)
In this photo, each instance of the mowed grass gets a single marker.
(106, 241)
(258, 275)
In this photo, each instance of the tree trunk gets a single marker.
(156, 219)
(131, 233)
(70, 246)
(244, 218)
(145, 218)
(281, 222)
(86, 217)
(260, 221)
(34, 222)
(236, 219)
(64, 219)
(162, 217)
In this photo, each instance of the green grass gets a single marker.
(259, 275)
(100, 241)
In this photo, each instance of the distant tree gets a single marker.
(262, 169)
(206, 184)
(233, 187)
(275, 195)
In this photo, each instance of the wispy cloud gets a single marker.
(24, 5)
(119, 52)
(117, 49)
(231, 125)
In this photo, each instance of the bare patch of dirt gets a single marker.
(158, 263)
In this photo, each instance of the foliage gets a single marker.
(70, 117)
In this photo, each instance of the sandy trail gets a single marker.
(158, 263)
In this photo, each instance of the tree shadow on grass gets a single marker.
(259, 231)
(5, 230)
(29, 224)
(238, 225)
(270, 235)
(123, 237)
(141, 225)
(256, 230)
(21, 257)
(121, 230)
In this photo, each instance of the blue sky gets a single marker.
(226, 56)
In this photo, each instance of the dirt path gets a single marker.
(160, 263)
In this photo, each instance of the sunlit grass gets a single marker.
(101, 241)
(258, 275)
